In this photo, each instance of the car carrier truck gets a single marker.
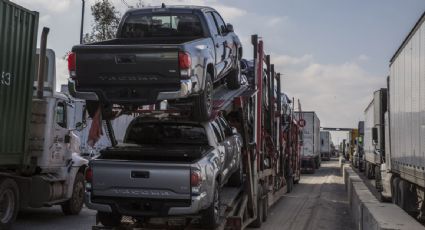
(310, 152)
(270, 147)
(39, 161)
(402, 175)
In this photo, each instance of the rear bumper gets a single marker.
(197, 203)
(187, 88)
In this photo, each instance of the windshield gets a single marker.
(166, 133)
(161, 25)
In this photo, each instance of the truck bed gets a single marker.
(155, 153)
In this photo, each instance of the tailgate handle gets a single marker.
(125, 59)
(140, 174)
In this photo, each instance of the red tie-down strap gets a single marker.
(96, 128)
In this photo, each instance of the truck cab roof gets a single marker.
(173, 8)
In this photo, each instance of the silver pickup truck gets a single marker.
(165, 168)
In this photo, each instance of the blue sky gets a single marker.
(333, 53)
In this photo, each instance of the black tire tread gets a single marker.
(108, 219)
(9, 183)
(68, 208)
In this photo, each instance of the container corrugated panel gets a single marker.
(18, 37)
(407, 107)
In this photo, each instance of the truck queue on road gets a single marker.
(192, 130)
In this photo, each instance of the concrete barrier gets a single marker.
(370, 214)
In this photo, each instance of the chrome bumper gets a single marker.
(198, 203)
(81, 95)
(95, 206)
(187, 87)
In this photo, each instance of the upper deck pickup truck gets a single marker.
(172, 53)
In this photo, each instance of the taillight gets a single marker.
(195, 181)
(72, 65)
(184, 60)
(195, 178)
(89, 178)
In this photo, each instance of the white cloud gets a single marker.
(276, 21)
(56, 6)
(285, 60)
(229, 13)
(44, 19)
(338, 93)
(363, 57)
(61, 72)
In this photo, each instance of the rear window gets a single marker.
(166, 133)
(161, 25)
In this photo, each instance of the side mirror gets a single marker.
(375, 135)
(67, 139)
(230, 28)
(80, 126)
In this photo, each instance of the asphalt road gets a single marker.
(318, 202)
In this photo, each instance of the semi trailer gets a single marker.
(310, 151)
(402, 174)
(374, 122)
(325, 145)
(39, 161)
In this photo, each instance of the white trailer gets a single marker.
(374, 122)
(310, 151)
(403, 174)
(325, 145)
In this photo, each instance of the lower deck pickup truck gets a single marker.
(165, 168)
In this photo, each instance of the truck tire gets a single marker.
(108, 219)
(407, 198)
(233, 79)
(9, 202)
(260, 208)
(211, 216)
(204, 101)
(369, 171)
(394, 191)
(313, 170)
(74, 205)
(290, 184)
(265, 209)
(236, 179)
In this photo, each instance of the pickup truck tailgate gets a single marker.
(140, 180)
(133, 74)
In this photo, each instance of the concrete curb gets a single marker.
(370, 214)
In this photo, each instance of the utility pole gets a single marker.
(82, 21)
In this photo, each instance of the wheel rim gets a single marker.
(7, 205)
(209, 97)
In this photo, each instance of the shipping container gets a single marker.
(18, 36)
